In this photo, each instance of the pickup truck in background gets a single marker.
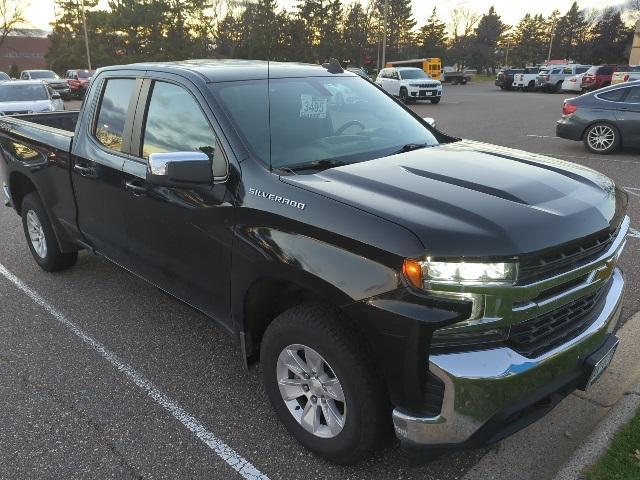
(526, 81)
(600, 76)
(550, 78)
(630, 75)
(504, 78)
(379, 270)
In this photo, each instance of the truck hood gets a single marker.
(476, 200)
(31, 105)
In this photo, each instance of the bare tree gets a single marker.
(12, 15)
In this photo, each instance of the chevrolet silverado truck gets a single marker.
(380, 271)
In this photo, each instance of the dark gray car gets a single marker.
(605, 119)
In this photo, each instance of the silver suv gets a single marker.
(550, 78)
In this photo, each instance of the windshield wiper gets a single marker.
(409, 147)
(317, 165)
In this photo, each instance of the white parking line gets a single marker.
(225, 452)
(633, 233)
(636, 191)
(542, 136)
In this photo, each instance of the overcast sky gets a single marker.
(41, 12)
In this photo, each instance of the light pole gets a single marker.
(553, 28)
(384, 34)
(86, 38)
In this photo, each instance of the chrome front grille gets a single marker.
(565, 257)
(543, 333)
(534, 317)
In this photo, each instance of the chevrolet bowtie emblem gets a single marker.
(605, 271)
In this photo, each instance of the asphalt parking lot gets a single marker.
(104, 376)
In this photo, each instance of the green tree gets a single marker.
(432, 37)
(611, 38)
(355, 37)
(571, 35)
(400, 25)
(530, 41)
(485, 46)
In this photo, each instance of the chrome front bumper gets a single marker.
(481, 384)
(484, 386)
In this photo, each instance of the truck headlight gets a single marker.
(423, 273)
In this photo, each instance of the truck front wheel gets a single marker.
(40, 237)
(321, 380)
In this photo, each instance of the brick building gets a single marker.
(25, 49)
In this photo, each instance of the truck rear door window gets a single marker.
(109, 126)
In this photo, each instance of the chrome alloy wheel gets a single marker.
(36, 234)
(311, 391)
(601, 138)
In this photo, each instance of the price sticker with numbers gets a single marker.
(313, 107)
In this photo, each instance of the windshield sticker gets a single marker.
(313, 107)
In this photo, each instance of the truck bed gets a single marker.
(65, 120)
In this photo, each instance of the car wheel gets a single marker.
(602, 138)
(463, 81)
(40, 237)
(321, 381)
(532, 86)
(404, 96)
(435, 100)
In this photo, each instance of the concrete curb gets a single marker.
(596, 444)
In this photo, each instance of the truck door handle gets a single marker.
(136, 188)
(84, 171)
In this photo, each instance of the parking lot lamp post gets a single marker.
(384, 34)
(86, 38)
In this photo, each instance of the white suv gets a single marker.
(410, 84)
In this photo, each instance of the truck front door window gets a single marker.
(113, 112)
(175, 123)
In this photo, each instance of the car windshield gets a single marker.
(292, 122)
(36, 75)
(17, 92)
(85, 74)
(413, 74)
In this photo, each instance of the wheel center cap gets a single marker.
(315, 386)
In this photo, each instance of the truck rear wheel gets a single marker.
(320, 379)
(40, 237)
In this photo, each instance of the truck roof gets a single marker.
(230, 70)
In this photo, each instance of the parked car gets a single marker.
(28, 97)
(504, 79)
(630, 75)
(378, 269)
(600, 76)
(550, 78)
(526, 81)
(605, 119)
(78, 81)
(52, 78)
(410, 84)
(573, 83)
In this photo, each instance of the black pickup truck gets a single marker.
(380, 270)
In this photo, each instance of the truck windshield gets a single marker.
(413, 74)
(40, 74)
(22, 93)
(319, 120)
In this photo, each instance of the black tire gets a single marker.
(463, 81)
(435, 100)
(53, 259)
(404, 96)
(531, 86)
(557, 88)
(608, 132)
(367, 409)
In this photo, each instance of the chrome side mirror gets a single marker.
(430, 121)
(179, 169)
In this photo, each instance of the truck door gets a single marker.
(392, 84)
(180, 238)
(628, 116)
(98, 155)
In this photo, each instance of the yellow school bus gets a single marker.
(431, 66)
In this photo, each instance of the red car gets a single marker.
(78, 81)
(599, 76)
